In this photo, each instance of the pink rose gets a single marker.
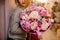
(26, 26)
(43, 13)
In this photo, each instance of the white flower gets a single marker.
(22, 22)
(26, 17)
(23, 17)
(33, 25)
(45, 24)
(34, 14)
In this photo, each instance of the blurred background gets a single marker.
(1, 19)
(7, 7)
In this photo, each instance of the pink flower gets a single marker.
(22, 14)
(43, 13)
(48, 14)
(33, 8)
(26, 26)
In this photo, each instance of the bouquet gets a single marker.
(36, 18)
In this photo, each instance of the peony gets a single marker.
(34, 14)
(43, 13)
(26, 26)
